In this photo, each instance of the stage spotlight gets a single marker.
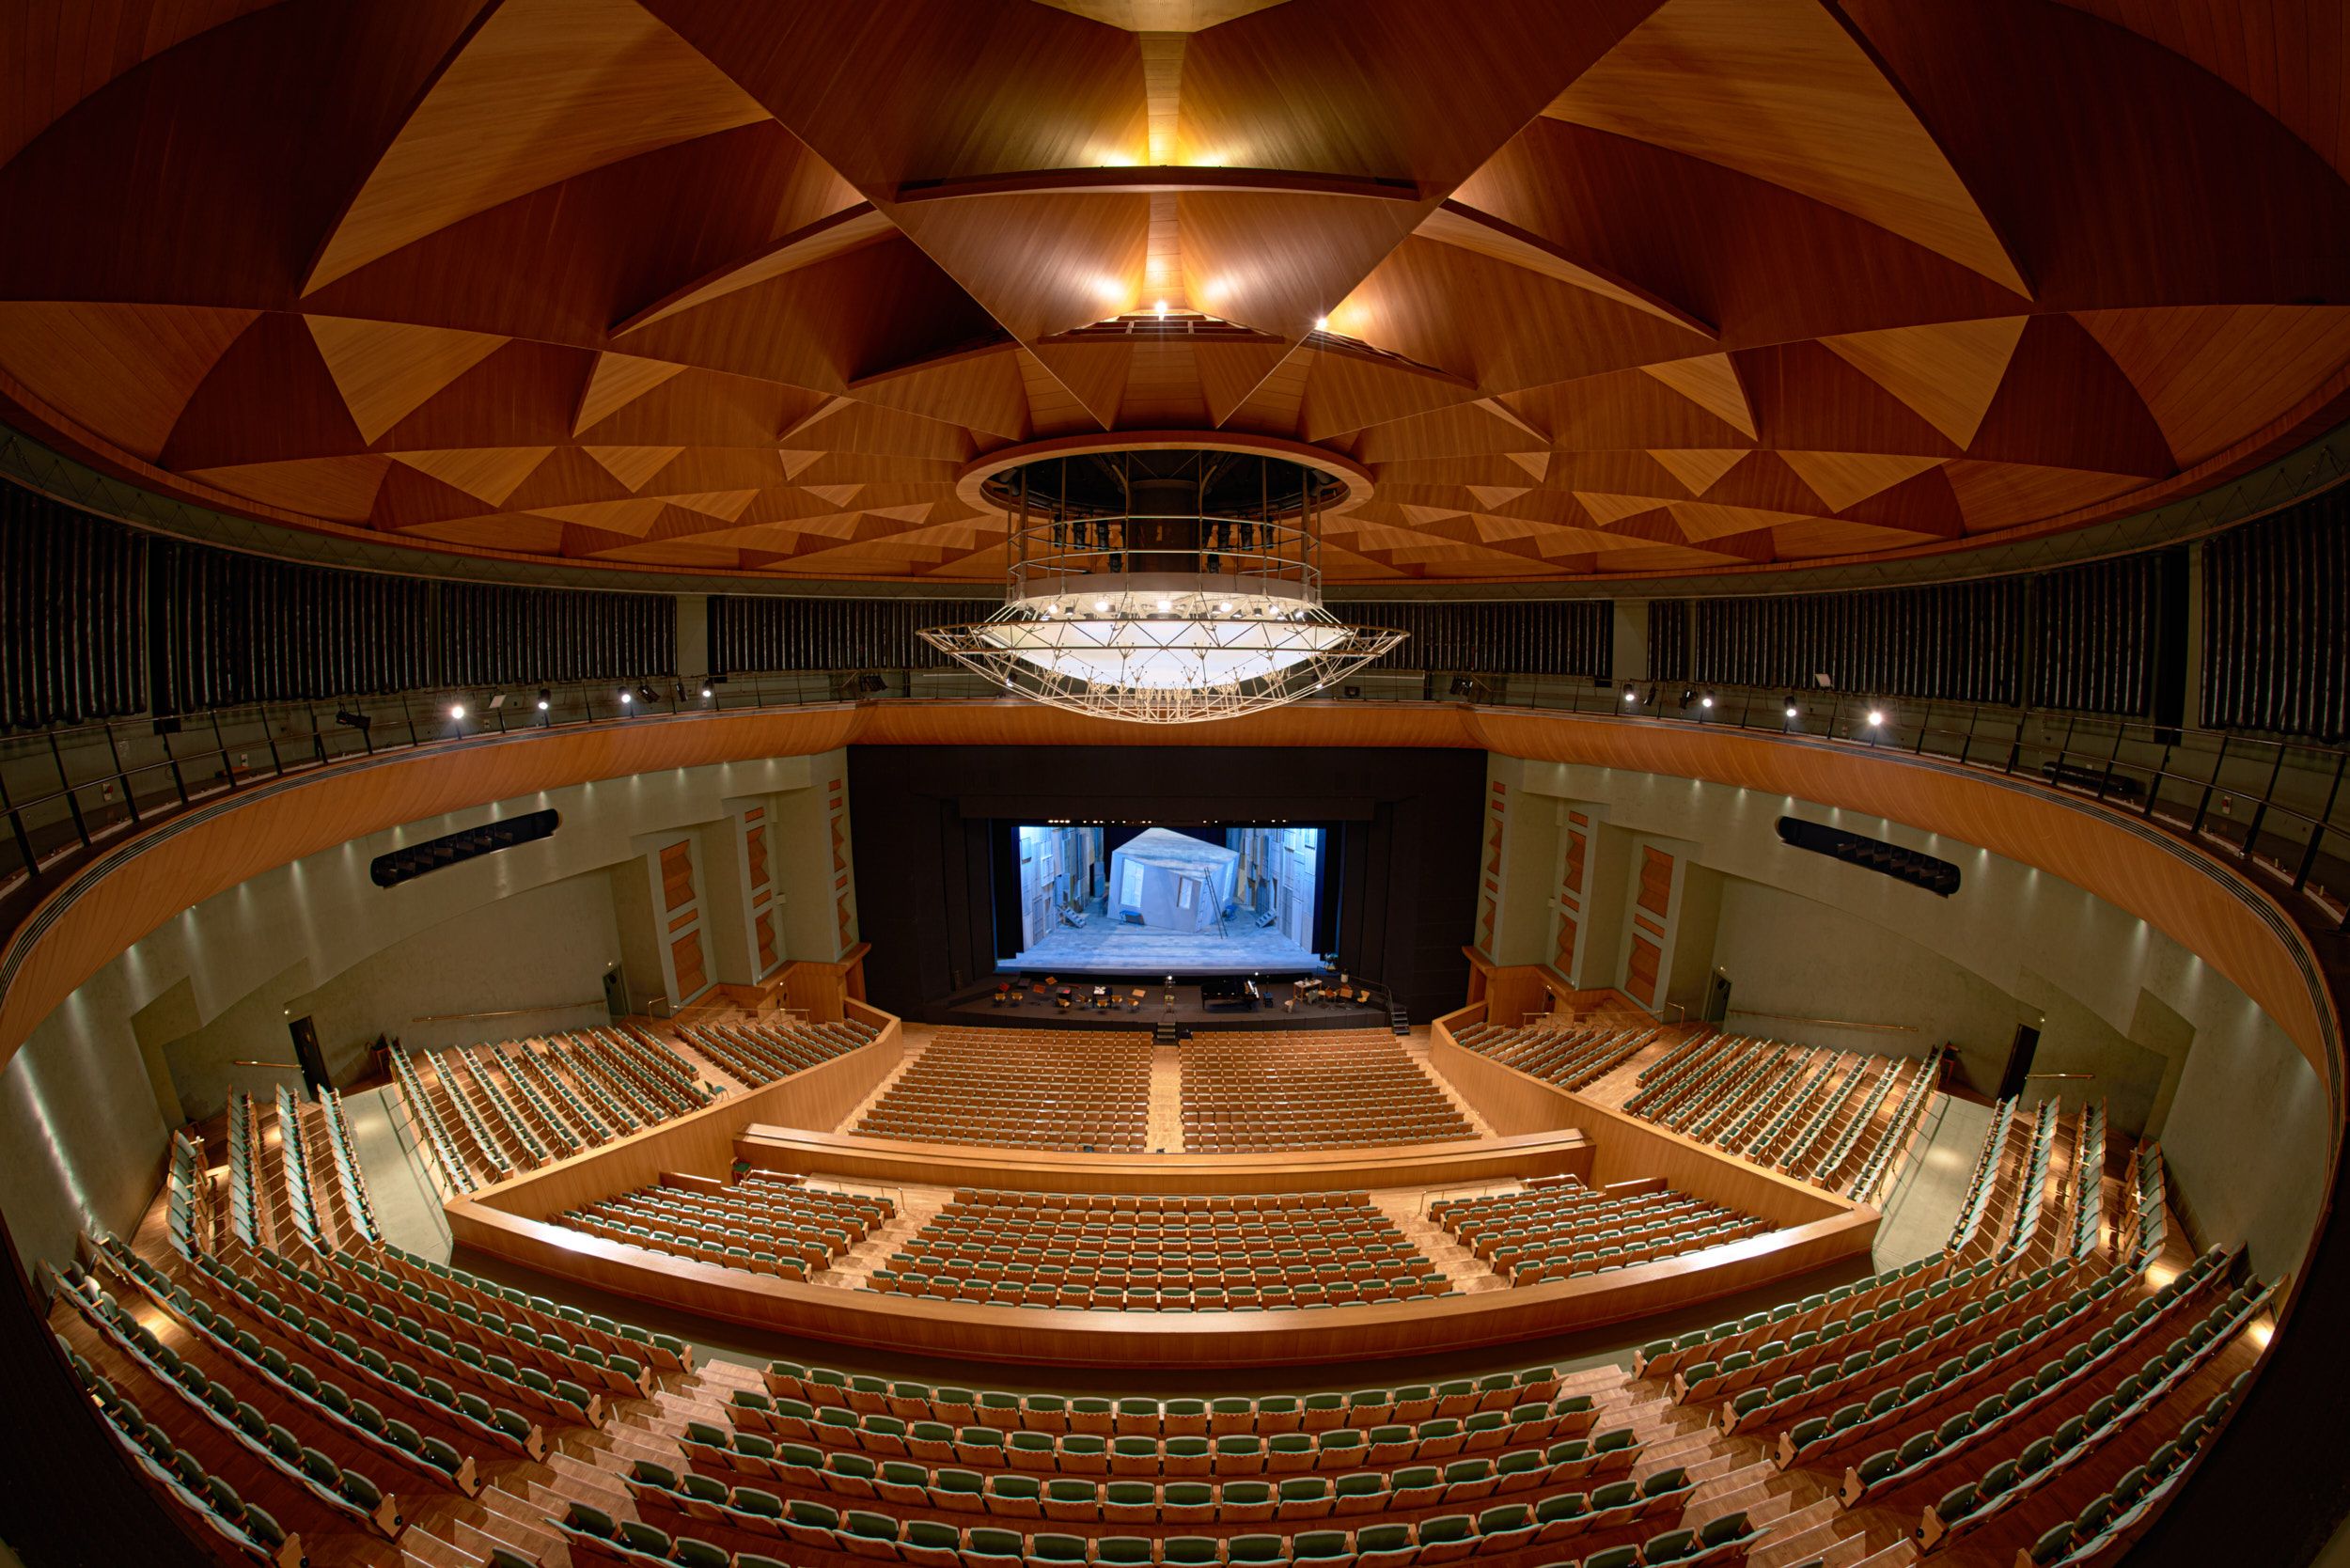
(706, 688)
(350, 720)
(1224, 609)
(1791, 708)
(457, 709)
(1706, 702)
(1321, 323)
(545, 696)
(650, 696)
(1630, 696)
(625, 697)
(1101, 606)
(1165, 604)
(1689, 694)
(1876, 716)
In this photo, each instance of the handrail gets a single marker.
(2225, 788)
(1832, 1022)
(502, 1012)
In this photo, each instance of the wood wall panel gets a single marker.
(1554, 1151)
(677, 875)
(1640, 971)
(1656, 881)
(685, 956)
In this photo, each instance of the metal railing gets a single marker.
(2277, 805)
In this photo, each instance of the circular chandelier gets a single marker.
(1163, 583)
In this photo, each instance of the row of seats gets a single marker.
(1016, 1493)
(455, 1171)
(1266, 1416)
(726, 1531)
(1663, 1357)
(756, 1052)
(1973, 1505)
(1343, 1089)
(2089, 1183)
(2112, 1515)
(248, 1213)
(1887, 1404)
(2052, 1381)
(1572, 1056)
(229, 1435)
(1559, 1229)
(351, 1180)
(764, 1226)
(295, 1158)
(1838, 1119)
(1882, 1159)
(2149, 1195)
(310, 1359)
(1176, 1254)
(189, 1211)
(1024, 1088)
(1533, 1422)
(1976, 1208)
(661, 1080)
(248, 1527)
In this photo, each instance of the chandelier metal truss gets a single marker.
(1163, 585)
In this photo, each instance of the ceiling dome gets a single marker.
(1615, 289)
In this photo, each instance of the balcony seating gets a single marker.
(767, 1225)
(1834, 1119)
(1117, 1252)
(1573, 1057)
(757, 1052)
(1556, 1229)
(1022, 1088)
(1346, 1089)
(490, 1110)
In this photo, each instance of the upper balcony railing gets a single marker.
(2278, 807)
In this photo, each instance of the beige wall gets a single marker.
(226, 969)
(2246, 1133)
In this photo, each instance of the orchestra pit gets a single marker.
(1174, 783)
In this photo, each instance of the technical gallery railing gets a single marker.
(2279, 806)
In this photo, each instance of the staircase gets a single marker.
(1398, 1019)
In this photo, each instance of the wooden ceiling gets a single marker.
(1652, 287)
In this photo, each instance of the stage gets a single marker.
(978, 1005)
(1104, 946)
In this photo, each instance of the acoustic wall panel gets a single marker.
(2277, 623)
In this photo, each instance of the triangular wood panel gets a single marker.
(386, 370)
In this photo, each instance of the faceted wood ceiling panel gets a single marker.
(1654, 286)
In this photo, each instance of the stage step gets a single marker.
(1165, 1034)
(1400, 1019)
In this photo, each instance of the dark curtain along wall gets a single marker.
(72, 614)
(231, 629)
(1407, 823)
(1960, 641)
(98, 620)
(2277, 623)
(1557, 637)
(490, 635)
(765, 633)
(1669, 640)
(2099, 634)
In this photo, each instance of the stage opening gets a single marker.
(1152, 899)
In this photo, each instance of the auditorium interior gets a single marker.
(1174, 783)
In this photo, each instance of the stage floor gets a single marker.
(1103, 946)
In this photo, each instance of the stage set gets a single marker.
(1191, 901)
